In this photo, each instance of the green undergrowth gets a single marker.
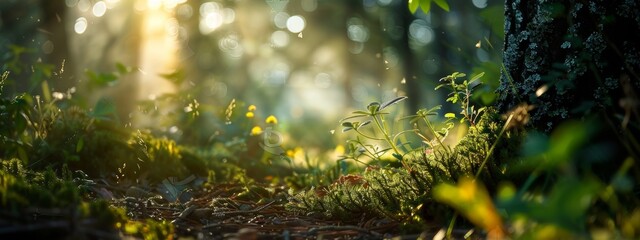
(52, 136)
(405, 195)
(58, 206)
(580, 181)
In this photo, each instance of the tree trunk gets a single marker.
(586, 54)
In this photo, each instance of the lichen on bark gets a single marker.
(580, 50)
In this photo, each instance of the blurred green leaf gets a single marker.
(413, 5)
(104, 109)
(425, 6)
(101, 79)
(566, 139)
(122, 69)
(535, 144)
(442, 4)
(565, 206)
(79, 145)
(476, 77)
(176, 77)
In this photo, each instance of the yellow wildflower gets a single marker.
(291, 153)
(257, 130)
(339, 150)
(271, 119)
(249, 115)
(252, 108)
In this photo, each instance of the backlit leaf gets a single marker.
(391, 102)
(425, 5)
(413, 5)
(442, 4)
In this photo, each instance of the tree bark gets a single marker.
(585, 53)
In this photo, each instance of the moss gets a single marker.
(405, 195)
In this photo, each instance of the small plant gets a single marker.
(461, 95)
(373, 114)
(423, 115)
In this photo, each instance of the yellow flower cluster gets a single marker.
(257, 130)
(251, 109)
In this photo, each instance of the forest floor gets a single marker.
(214, 213)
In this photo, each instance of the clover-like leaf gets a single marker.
(373, 107)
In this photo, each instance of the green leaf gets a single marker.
(46, 91)
(391, 102)
(476, 77)
(425, 5)
(104, 109)
(79, 145)
(361, 112)
(442, 4)
(101, 79)
(122, 69)
(347, 124)
(365, 123)
(354, 116)
(450, 115)
(413, 5)
(176, 77)
(373, 107)
(397, 156)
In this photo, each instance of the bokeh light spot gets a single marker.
(280, 39)
(84, 5)
(421, 32)
(280, 20)
(295, 24)
(99, 9)
(356, 31)
(323, 80)
(309, 5)
(81, 25)
(480, 3)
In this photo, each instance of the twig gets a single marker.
(314, 231)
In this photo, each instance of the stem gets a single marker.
(493, 146)
(369, 137)
(435, 134)
(384, 133)
(451, 225)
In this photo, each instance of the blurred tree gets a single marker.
(36, 25)
(571, 58)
